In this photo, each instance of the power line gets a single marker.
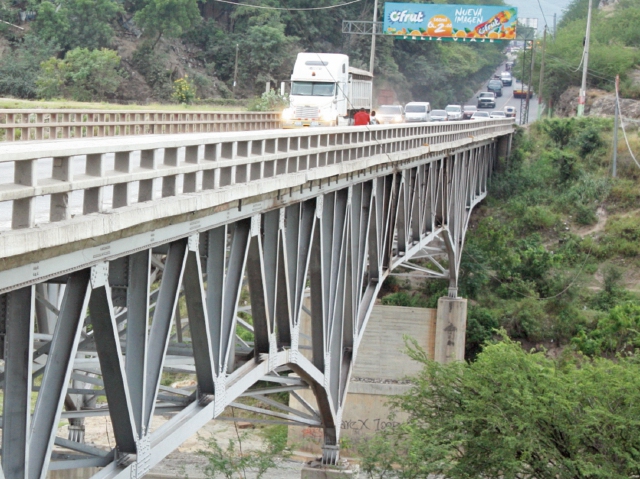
(288, 9)
(542, 11)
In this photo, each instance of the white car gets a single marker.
(480, 115)
(390, 114)
(497, 114)
(454, 112)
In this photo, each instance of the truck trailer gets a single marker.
(325, 91)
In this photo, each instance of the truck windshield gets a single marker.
(307, 88)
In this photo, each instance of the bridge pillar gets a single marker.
(504, 147)
(451, 326)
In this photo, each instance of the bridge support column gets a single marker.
(451, 326)
(504, 147)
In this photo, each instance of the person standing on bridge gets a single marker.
(361, 118)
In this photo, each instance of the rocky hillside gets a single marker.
(599, 103)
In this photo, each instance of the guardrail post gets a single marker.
(23, 215)
(60, 201)
(92, 201)
(121, 191)
(190, 179)
(147, 160)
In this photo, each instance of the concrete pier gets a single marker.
(451, 326)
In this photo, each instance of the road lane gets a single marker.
(507, 99)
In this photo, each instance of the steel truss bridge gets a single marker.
(125, 260)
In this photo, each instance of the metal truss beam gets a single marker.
(176, 299)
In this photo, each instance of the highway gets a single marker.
(507, 99)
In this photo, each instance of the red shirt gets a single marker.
(361, 118)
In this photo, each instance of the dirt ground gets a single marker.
(185, 462)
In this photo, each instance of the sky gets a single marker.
(531, 9)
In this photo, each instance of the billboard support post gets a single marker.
(373, 37)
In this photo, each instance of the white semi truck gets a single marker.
(325, 91)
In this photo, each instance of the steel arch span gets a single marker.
(100, 330)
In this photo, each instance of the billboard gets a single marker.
(464, 23)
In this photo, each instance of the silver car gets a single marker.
(497, 114)
(454, 112)
(439, 115)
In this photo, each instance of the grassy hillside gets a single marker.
(553, 254)
(614, 49)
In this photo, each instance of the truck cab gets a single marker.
(325, 91)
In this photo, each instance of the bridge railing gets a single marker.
(29, 125)
(47, 183)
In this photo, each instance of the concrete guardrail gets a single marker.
(29, 125)
(144, 178)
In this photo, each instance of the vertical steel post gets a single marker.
(615, 131)
(585, 67)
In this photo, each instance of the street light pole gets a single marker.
(373, 36)
(583, 89)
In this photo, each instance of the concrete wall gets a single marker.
(378, 373)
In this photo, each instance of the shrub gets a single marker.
(269, 101)
(19, 69)
(184, 91)
(617, 332)
(622, 236)
(559, 130)
(82, 75)
(152, 65)
(589, 139)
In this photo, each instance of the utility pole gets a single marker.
(554, 27)
(373, 36)
(544, 45)
(235, 72)
(615, 130)
(533, 50)
(583, 89)
(524, 62)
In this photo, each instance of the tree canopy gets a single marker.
(515, 414)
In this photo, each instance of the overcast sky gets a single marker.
(531, 9)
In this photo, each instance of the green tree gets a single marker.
(19, 69)
(167, 17)
(82, 75)
(514, 414)
(77, 23)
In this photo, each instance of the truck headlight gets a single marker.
(287, 114)
(327, 115)
(397, 118)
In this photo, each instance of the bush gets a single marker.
(232, 461)
(622, 236)
(19, 69)
(559, 130)
(269, 101)
(83, 75)
(617, 332)
(589, 139)
(184, 91)
(153, 66)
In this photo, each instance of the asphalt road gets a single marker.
(507, 99)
